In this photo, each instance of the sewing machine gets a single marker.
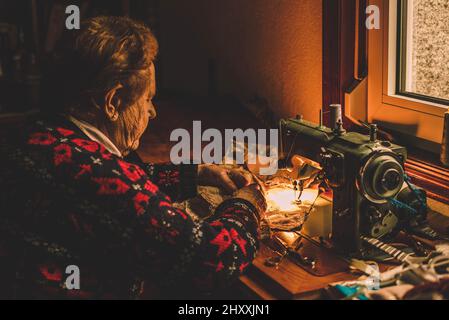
(371, 195)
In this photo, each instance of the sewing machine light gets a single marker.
(284, 211)
(283, 199)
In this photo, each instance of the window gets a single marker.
(423, 55)
(408, 70)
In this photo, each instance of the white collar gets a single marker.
(96, 135)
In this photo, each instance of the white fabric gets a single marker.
(96, 135)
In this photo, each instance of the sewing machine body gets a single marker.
(363, 173)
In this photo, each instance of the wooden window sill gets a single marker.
(427, 172)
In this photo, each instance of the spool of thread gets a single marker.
(336, 118)
(335, 110)
(373, 132)
(445, 143)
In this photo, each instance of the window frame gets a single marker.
(417, 121)
(402, 57)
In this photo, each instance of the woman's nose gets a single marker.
(152, 112)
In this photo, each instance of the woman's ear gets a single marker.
(112, 103)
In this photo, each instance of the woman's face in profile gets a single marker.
(136, 117)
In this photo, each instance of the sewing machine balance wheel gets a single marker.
(382, 177)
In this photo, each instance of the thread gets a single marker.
(336, 118)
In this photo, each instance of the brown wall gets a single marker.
(269, 49)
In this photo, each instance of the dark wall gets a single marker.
(260, 51)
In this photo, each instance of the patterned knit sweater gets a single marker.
(65, 200)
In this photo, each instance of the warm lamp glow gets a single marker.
(283, 199)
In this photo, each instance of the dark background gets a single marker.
(265, 54)
(29, 31)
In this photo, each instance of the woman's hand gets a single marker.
(255, 196)
(228, 179)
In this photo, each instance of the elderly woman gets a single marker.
(70, 197)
